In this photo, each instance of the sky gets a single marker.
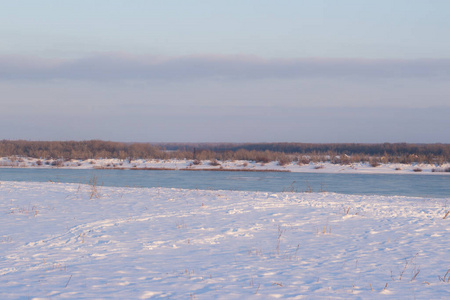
(225, 71)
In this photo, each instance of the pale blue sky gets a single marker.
(272, 29)
(166, 68)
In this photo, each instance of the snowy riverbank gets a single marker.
(72, 241)
(172, 164)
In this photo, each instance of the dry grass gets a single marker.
(445, 278)
(182, 225)
(94, 191)
(290, 189)
(408, 263)
(68, 281)
(280, 234)
(31, 209)
(308, 187)
(326, 230)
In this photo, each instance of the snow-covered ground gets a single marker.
(173, 164)
(72, 241)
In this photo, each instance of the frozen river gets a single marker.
(364, 184)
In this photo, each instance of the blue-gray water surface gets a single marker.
(365, 184)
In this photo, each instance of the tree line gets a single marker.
(260, 152)
(304, 148)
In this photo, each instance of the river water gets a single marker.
(366, 184)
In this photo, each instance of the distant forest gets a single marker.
(260, 152)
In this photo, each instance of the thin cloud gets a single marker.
(112, 67)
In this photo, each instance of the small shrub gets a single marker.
(57, 163)
(39, 162)
(345, 159)
(197, 162)
(304, 160)
(262, 158)
(284, 161)
(319, 167)
(214, 163)
(417, 170)
(374, 162)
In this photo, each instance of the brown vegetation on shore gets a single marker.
(284, 153)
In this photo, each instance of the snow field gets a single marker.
(62, 241)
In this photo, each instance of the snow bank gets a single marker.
(240, 165)
(71, 241)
